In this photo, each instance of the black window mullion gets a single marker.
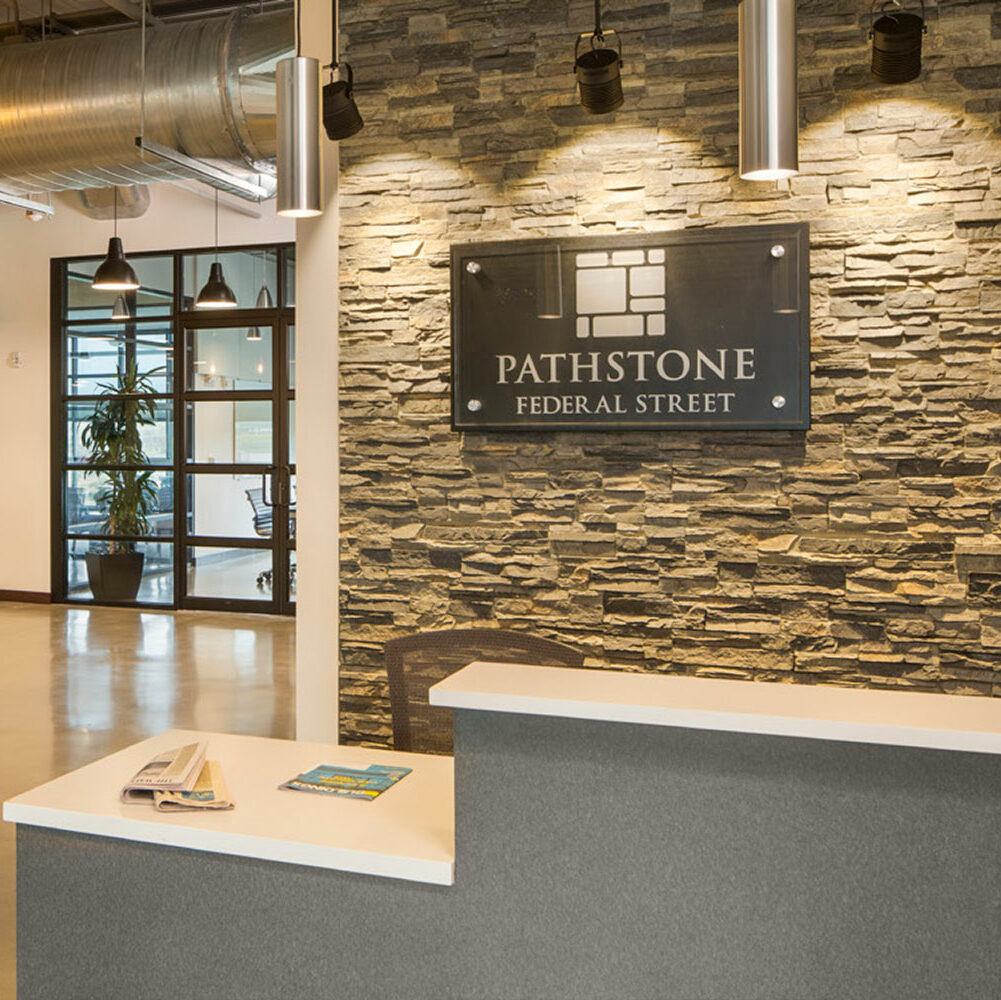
(180, 438)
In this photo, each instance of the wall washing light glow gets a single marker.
(769, 105)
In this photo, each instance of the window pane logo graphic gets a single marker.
(621, 294)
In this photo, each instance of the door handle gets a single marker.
(271, 470)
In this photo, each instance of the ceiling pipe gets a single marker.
(70, 109)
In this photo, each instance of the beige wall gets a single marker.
(317, 442)
(176, 218)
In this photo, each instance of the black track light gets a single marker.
(598, 69)
(341, 117)
(896, 44)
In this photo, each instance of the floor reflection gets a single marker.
(79, 683)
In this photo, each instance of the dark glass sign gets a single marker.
(655, 330)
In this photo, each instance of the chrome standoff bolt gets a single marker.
(474, 406)
(778, 402)
(474, 267)
(778, 251)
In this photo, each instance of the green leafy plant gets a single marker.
(113, 437)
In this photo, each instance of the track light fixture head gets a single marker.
(598, 69)
(341, 117)
(896, 43)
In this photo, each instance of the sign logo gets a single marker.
(706, 329)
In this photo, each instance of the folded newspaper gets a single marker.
(180, 779)
(210, 792)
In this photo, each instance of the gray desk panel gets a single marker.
(594, 861)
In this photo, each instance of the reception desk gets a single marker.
(615, 836)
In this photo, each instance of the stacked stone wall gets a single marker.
(865, 551)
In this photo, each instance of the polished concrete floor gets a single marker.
(79, 683)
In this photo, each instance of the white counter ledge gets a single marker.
(821, 712)
(406, 833)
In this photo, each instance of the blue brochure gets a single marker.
(329, 779)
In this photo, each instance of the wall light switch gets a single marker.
(15, 359)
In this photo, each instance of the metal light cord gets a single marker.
(142, 86)
(335, 46)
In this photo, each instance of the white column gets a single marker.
(318, 503)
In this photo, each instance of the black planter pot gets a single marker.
(115, 577)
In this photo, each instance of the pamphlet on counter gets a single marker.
(329, 779)
(180, 779)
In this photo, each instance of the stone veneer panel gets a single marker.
(863, 552)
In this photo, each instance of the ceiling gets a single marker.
(72, 17)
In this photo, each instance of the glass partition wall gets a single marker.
(173, 444)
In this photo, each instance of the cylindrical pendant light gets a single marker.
(769, 106)
(300, 185)
(300, 189)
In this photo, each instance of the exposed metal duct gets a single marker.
(70, 108)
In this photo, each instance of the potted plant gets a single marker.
(113, 437)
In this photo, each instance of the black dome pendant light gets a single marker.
(598, 70)
(264, 300)
(115, 273)
(215, 293)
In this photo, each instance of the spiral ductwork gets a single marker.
(70, 108)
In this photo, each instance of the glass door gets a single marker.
(238, 476)
(199, 509)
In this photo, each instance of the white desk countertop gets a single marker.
(407, 832)
(821, 712)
